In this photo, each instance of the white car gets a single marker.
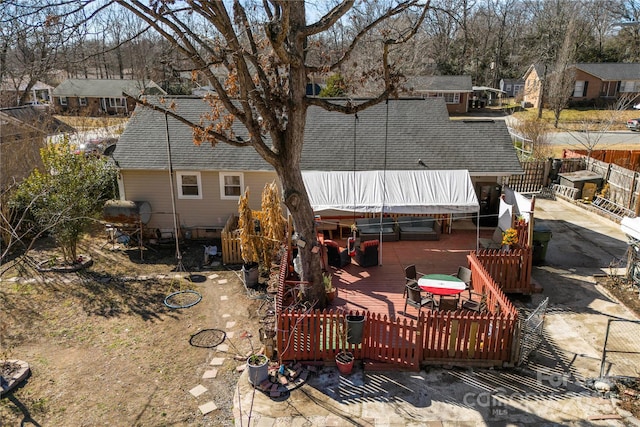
(633, 124)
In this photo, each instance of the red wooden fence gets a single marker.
(446, 337)
(510, 269)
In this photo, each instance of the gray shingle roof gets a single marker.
(438, 84)
(106, 88)
(417, 129)
(612, 71)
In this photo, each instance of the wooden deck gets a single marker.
(380, 289)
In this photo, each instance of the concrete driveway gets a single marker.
(550, 389)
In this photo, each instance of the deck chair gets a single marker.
(494, 243)
(415, 299)
(476, 305)
(410, 276)
(336, 257)
(448, 303)
(367, 253)
(464, 274)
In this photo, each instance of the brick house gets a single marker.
(595, 83)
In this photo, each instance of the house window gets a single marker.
(629, 86)
(116, 102)
(231, 184)
(189, 185)
(63, 100)
(83, 101)
(579, 89)
(508, 89)
(452, 98)
(449, 98)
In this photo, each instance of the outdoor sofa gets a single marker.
(418, 228)
(369, 229)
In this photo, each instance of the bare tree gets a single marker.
(562, 80)
(591, 131)
(262, 51)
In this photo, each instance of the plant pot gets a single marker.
(258, 369)
(355, 326)
(250, 273)
(331, 295)
(344, 362)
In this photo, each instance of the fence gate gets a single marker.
(621, 350)
(531, 331)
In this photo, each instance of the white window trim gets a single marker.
(578, 89)
(82, 101)
(179, 176)
(63, 100)
(222, 186)
(454, 95)
(629, 86)
(117, 103)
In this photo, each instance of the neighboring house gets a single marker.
(597, 83)
(511, 87)
(101, 96)
(12, 90)
(209, 180)
(23, 132)
(455, 90)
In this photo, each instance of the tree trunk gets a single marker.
(297, 200)
(287, 166)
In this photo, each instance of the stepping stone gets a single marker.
(198, 390)
(224, 298)
(207, 407)
(213, 276)
(224, 316)
(210, 374)
(223, 282)
(217, 361)
(230, 334)
(223, 347)
(230, 325)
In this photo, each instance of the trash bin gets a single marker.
(541, 236)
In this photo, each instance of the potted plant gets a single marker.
(328, 286)
(509, 237)
(257, 364)
(344, 358)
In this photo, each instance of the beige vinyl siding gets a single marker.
(210, 211)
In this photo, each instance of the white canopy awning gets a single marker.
(403, 192)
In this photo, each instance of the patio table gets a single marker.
(441, 284)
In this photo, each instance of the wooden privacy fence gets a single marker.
(437, 337)
(231, 252)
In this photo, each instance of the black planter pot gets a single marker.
(355, 327)
(250, 275)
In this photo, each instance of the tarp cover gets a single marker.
(631, 227)
(404, 192)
